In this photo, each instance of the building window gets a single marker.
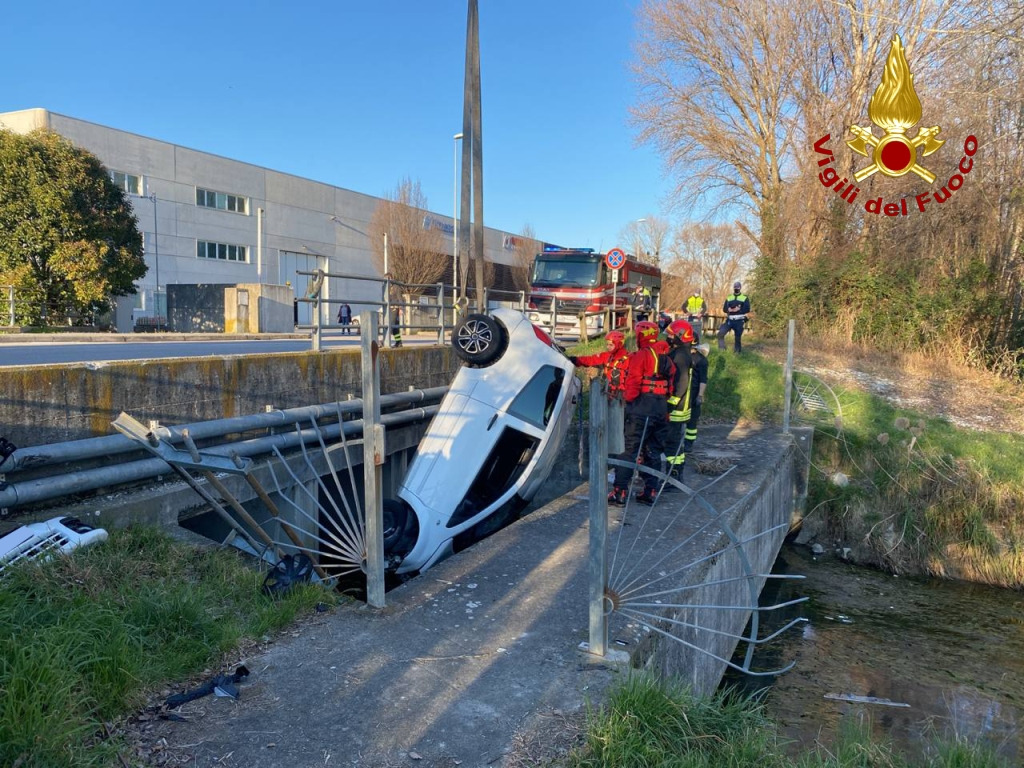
(222, 251)
(125, 181)
(221, 201)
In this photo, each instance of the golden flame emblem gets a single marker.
(895, 109)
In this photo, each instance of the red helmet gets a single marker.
(646, 333)
(617, 338)
(680, 331)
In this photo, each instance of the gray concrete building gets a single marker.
(208, 219)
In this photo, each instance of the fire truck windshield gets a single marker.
(564, 272)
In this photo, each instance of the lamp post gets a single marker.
(455, 216)
(156, 255)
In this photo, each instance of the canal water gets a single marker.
(951, 655)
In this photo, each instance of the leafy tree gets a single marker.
(69, 239)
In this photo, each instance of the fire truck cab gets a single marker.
(570, 284)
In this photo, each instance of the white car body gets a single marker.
(493, 442)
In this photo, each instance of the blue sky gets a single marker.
(363, 94)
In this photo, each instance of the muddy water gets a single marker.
(953, 652)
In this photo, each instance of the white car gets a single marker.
(491, 445)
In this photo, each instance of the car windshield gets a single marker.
(537, 401)
(561, 272)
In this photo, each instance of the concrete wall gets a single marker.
(258, 308)
(50, 404)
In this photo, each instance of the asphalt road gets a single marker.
(62, 353)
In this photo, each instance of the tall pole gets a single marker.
(455, 217)
(259, 245)
(385, 253)
(472, 156)
(156, 254)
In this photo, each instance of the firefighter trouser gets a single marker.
(645, 443)
(737, 328)
(682, 434)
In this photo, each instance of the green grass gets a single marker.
(648, 724)
(84, 639)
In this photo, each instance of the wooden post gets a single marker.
(598, 561)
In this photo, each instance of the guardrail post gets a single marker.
(10, 302)
(373, 460)
(487, 301)
(598, 562)
(440, 313)
(522, 301)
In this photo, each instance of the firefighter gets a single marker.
(613, 360)
(642, 303)
(646, 391)
(680, 339)
(736, 308)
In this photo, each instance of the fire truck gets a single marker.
(576, 281)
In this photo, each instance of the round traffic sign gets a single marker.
(615, 258)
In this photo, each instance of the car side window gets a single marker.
(536, 402)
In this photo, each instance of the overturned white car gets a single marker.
(491, 445)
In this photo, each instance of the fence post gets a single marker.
(440, 313)
(487, 301)
(554, 315)
(10, 299)
(522, 301)
(373, 460)
(788, 389)
(598, 561)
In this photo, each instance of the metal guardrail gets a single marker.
(446, 312)
(47, 472)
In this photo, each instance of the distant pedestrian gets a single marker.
(394, 296)
(736, 308)
(642, 304)
(696, 310)
(345, 318)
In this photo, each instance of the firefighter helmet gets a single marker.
(646, 333)
(617, 339)
(680, 332)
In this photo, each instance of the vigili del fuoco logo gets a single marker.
(895, 109)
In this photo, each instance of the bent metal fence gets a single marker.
(680, 569)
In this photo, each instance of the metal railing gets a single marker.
(445, 309)
(47, 472)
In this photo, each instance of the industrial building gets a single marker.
(208, 220)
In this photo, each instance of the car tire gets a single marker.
(479, 340)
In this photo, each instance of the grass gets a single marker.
(86, 639)
(649, 724)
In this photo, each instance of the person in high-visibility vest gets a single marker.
(642, 303)
(736, 307)
(696, 310)
(687, 395)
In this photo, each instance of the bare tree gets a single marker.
(526, 247)
(708, 257)
(415, 241)
(646, 238)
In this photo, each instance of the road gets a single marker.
(92, 352)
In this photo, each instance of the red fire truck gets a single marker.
(580, 282)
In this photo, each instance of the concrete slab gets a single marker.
(476, 656)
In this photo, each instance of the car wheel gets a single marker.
(479, 340)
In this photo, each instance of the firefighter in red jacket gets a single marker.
(646, 392)
(614, 360)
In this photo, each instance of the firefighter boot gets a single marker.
(617, 497)
(647, 496)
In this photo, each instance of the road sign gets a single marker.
(615, 258)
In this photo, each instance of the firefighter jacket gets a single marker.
(679, 396)
(615, 365)
(647, 382)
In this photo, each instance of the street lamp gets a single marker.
(455, 216)
(156, 254)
